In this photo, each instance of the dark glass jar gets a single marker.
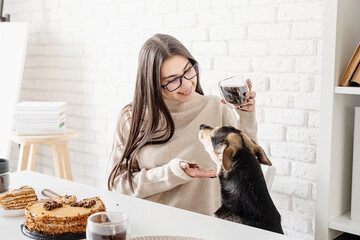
(4, 175)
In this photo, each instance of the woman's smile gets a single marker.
(187, 93)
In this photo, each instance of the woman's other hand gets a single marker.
(250, 106)
(193, 170)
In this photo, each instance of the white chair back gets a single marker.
(269, 175)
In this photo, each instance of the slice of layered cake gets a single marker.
(61, 215)
(18, 198)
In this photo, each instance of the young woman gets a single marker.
(156, 152)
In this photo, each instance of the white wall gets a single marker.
(85, 53)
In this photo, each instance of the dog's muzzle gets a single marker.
(204, 135)
(203, 126)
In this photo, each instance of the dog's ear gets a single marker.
(225, 155)
(247, 141)
(261, 156)
(256, 150)
(227, 158)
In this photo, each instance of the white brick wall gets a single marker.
(85, 53)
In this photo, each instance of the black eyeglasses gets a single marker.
(188, 75)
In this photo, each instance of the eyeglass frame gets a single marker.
(195, 65)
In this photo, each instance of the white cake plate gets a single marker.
(11, 213)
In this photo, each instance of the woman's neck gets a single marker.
(177, 106)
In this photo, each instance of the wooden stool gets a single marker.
(59, 150)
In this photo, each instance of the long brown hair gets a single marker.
(148, 106)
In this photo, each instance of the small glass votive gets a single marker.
(4, 175)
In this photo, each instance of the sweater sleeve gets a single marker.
(145, 182)
(246, 121)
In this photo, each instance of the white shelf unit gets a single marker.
(345, 224)
(335, 148)
(348, 90)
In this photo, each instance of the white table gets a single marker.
(146, 218)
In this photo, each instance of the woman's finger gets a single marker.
(200, 172)
(249, 101)
(184, 165)
(203, 173)
(249, 83)
(250, 107)
(250, 94)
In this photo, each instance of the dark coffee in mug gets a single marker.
(117, 236)
(234, 94)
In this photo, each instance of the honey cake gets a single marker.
(52, 217)
(18, 198)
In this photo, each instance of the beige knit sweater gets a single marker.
(158, 176)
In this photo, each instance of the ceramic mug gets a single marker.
(4, 175)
